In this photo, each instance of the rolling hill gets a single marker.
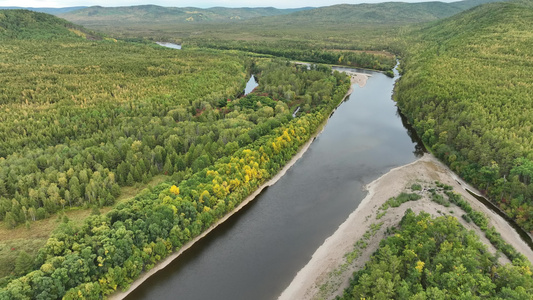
(467, 90)
(153, 14)
(48, 10)
(23, 24)
(380, 13)
(355, 27)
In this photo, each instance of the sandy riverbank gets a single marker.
(358, 78)
(329, 256)
(355, 77)
(119, 295)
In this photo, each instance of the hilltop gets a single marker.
(379, 13)
(25, 24)
(153, 14)
(48, 10)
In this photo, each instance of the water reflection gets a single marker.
(420, 149)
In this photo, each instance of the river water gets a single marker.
(169, 45)
(259, 250)
(250, 85)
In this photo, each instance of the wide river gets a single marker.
(259, 250)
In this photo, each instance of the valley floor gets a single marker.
(324, 276)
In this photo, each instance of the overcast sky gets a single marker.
(193, 3)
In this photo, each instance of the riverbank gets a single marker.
(119, 295)
(165, 262)
(317, 279)
(358, 78)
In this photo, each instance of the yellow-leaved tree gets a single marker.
(175, 190)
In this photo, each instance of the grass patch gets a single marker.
(128, 192)
(9, 251)
(439, 199)
(416, 187)
(402, 198)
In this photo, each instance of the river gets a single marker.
(259, 250)
(250, 85)
(169, 45)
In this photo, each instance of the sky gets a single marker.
(193, 3)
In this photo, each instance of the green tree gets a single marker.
(23, 263)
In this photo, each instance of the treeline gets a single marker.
(437, 258)
(303, 51)
(467, 91)
(109, 251)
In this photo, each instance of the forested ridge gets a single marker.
(467, 91)
(19, 24)
(92, 116)
(97, 16)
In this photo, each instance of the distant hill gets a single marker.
(153, 14)
(466, 4)
(462, 27)
(26, 24)
(380, 13)
(48, 10)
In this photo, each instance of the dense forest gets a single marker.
(125, 113)
(437, 258)
(110, 250)
(85, 116)
(304, 51)
(91, 116)
(467, 90)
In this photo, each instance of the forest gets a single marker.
(85, 117)
(466, 89)
(465, 84)
(437, 258)
(109, 125)
(344, 34)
